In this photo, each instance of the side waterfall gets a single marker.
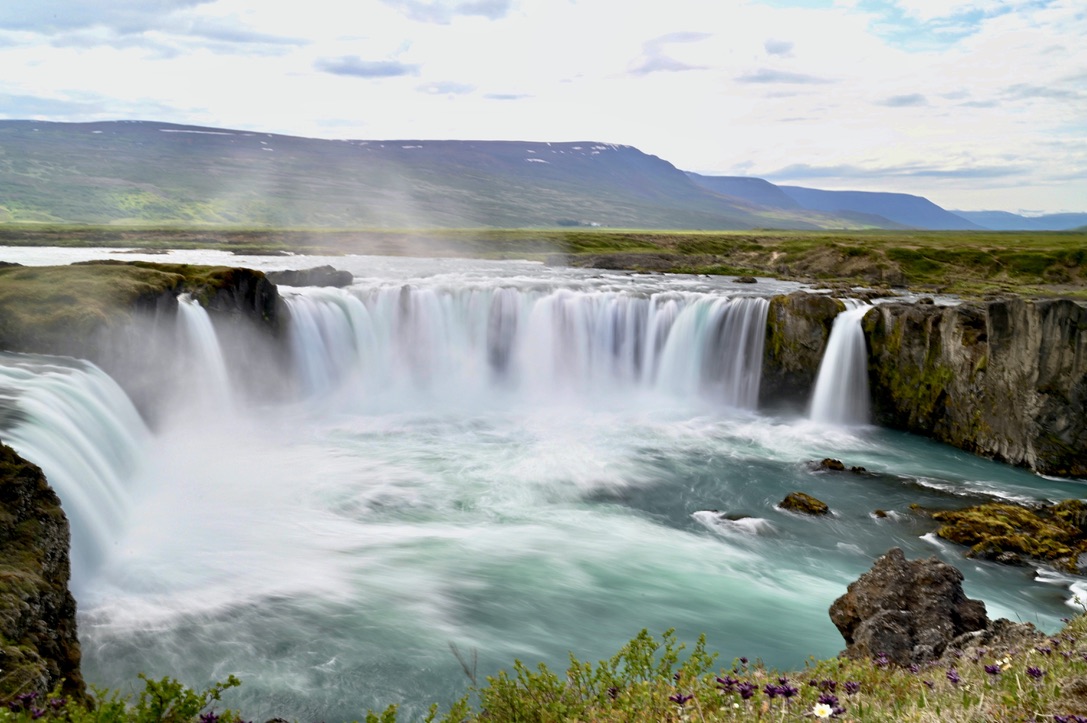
(206, 368)
(536, 343)
(841, 389)
(73, 421)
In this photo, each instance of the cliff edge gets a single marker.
(39, 650)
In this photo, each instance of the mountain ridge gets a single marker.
(139, 171)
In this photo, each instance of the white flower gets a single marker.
(822, 710)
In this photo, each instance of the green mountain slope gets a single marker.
(145, 172)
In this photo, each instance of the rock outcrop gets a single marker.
(797, 328)
(38, 645)
(1006, 380)
(1008, 533)
(317, 276)
(907, 611)
(804, 504)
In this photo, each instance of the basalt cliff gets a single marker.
(1005, 379)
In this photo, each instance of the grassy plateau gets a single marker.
(968, 263)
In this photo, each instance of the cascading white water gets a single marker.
(841, 388)
(208, 381)
(74, 422)
(540, 344)
(518, 460)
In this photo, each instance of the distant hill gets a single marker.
(1004, 221)
(901, 208)
(139, 171)
(749, 188)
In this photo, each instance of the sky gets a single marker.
(975, 104)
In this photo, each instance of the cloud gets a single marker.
(905, 101)
(77, 106)
(1023, 91)
(443, 11)
(778, 47)
(769, 75)
(124, 16)
(354, 66)
(803, 171)
(446, 87)
(654, 58)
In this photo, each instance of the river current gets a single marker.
(514, 461)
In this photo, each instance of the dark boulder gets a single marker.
(805, 504)
(908, 611)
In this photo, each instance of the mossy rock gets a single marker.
(1001, 531)
(804, 504)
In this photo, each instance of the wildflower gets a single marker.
(727, 684)
(747, 690)
(613, 692)
(992, 669)
(914, 668)
(828, 700)
(1044, 651)
(851, 687)
(771, 690)
(882, 661)
(822, 710)
(829, 685)
(953, 676)
(209, 717)
(1006, 662)
(1036, 673)
(677, 698)
(787, 691)
(36, 713)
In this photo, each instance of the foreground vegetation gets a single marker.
(651, 681)
(959, 262)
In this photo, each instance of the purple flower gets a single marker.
(787, 691)
(851, 687)
(727, 684)
(613, 692)
(747, 690)
(209, 717)
(882, 661)
(36, 713)
(914, 668)
(992, 669)
(828, 699)
(1044, 651)
(771, 690)
(829, 685)
(679, 698)
(58, 703)
(953, 676)
(1036, 673)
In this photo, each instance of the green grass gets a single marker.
(652, 680)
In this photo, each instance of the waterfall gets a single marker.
(206, 370)
(472, 342)
(72, 420)
(841, 389)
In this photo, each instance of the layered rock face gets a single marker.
(797, 328)
(1006, 380)
(38, 645)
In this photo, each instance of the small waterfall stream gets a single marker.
(206, 372)
(841, 388)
